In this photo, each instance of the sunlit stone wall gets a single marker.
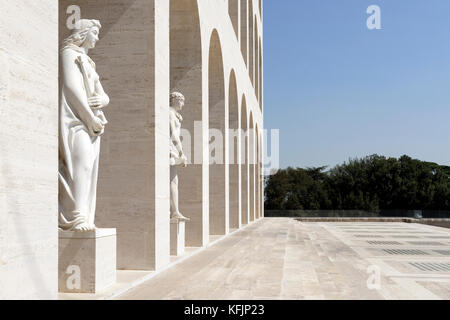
(28, 149)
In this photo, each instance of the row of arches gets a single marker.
(221, 188)
(248, 29)
(241, 173)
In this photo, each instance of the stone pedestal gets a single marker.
(87, 261)
(177, 237)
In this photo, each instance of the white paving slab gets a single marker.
(287, 259)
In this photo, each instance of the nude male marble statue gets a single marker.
(177, 156)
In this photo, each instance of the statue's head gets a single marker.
(85, 33)
(177, 101)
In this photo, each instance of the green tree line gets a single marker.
(372, 183)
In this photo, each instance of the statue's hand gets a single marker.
(98, 101)
(96, 126)
(184, 161)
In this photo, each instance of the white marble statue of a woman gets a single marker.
(81, 124)
(177, 156)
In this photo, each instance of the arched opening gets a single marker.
(234, 141)
(233, 11)
(244, 29)
(244, 163)
(186, 77)
(251, 48)
(261, 172)
(251, 161)
(256, 44)
(257, 176)
(261, 86)
(218, 220)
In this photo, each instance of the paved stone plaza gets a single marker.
(287, 259)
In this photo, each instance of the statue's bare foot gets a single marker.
(84, 227)
(178, 216)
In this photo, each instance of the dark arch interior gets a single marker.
(217, 181)
(244, 163)
(233, 125)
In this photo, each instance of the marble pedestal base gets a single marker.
(177, 237)
(87, 261)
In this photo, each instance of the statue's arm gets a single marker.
(73, 89)
(175, 138)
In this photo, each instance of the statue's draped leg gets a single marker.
(78, 170)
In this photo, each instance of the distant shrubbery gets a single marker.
(374, 183)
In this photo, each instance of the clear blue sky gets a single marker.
(338, 90)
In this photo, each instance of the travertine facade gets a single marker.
(209, 50)
(28, 149)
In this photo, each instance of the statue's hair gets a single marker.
(80, 31)
(175, 96)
